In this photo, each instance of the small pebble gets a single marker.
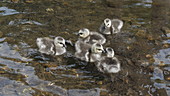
(49, 10)
(77, 75)
(100, 82)
(168, 78)
(162, 64)
(166, 45)
(128, 47)
(29, 1)
(148, 56)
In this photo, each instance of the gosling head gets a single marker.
(59, 41)
(115, 30)
(97, 48)
(107, 22)
(40, 43)
(84, 32)
(110, 52)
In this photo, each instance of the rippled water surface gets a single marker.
(142, 47)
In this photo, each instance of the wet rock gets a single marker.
(100, 82)
(65, 3)
(29, 1)
(158, 74)
(79, 92)
(131, 92)
(168, 78)
(163, 92)
(151, 60)
(2, 39)
(141, 33)
(151, 68)
(159, 84)
(144, 63)
(5, 11)
(23, 22)
(149, 37)
(50, 10)
(129, 47)
(14, 88)
(161, 64)
(149, 56)
(167, 75)
(165, 45)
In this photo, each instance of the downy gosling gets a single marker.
(111, 26)
(51, 47)
(91, 37)
(94, 54)
(109, 63)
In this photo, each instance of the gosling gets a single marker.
(111, 26)
(51, 47)
(109, 63)
(91, 37)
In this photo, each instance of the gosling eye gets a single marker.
(80, 33)
(99, 49)
(60, 43)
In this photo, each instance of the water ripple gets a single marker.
(4, 11)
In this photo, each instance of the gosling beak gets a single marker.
(80, 34)
(104, 51)
(64, 45)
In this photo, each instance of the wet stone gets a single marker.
(158, 74)
(168, 78)
(79, 92)
(29, 1)
(14, 88)
(50, 10)
(131, 92)
(141, 33)
(144, 63)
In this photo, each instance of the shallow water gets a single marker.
(142, 47)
